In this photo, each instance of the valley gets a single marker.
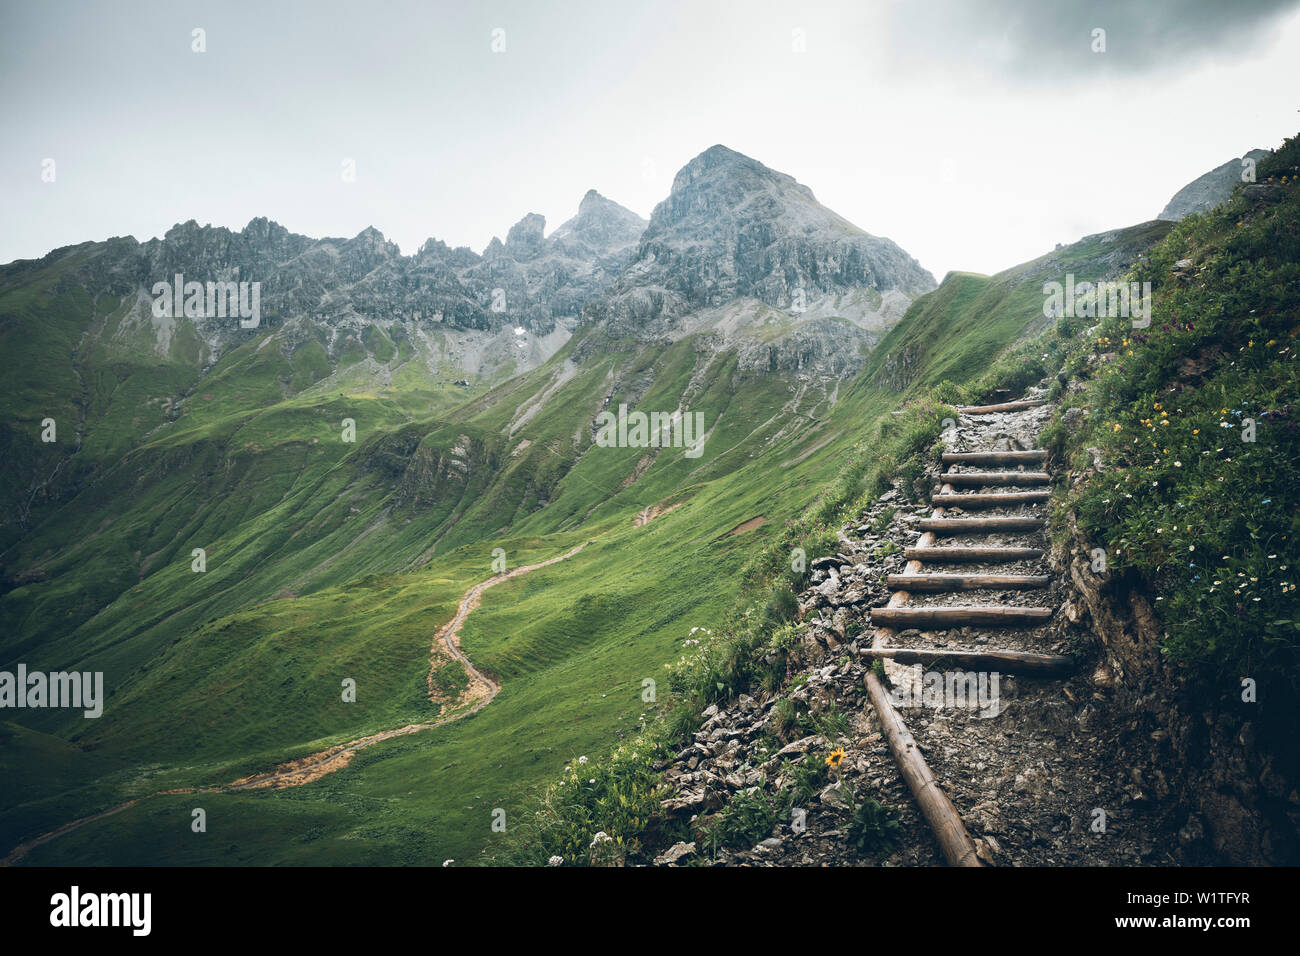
(356, 465)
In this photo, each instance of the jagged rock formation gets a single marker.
(1207, 191)
(738, 251)
(529, 282)
(545, 281)
(732, 229)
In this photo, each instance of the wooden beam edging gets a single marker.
(1000, 554)
(966, 582)
(954, 841)
(1024, 455)
(940, 813)
(952, 526)
(995, 499)
(961, 615)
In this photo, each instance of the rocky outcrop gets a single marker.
(900, 368)
(833, 347)
(1210, 190)
(540, 283)
(602, 231)
(439, 472)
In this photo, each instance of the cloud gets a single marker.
(1020, 41)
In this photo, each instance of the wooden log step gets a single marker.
(1021, 662)
(976, 525)
(993, 457)
(995, 478)
(1004, 407)
(966, 582)
(990, 554)
(958, 616)
(995, 500)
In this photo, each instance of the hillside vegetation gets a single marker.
(946, 350)
(329, 560)
(1190, 436)
(1184, 434)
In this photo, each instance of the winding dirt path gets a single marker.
(295, 773)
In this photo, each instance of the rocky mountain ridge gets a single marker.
(738, 251)
(529, 282)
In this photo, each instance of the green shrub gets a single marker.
(910, 473)
(873, 830)
(785, 716)
(883, 520)
(831, 722)
(809, 776)
(1202, 521)
(617, 795)
(682, 722)
(749, 818)
(782, 606)
(949, 394)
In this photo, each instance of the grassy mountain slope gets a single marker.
(328, 560)
(1194, 420)
(955, 332)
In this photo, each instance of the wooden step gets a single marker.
(995, 478)
(990, 554)
(992, 457)
(1004, 407)
(1022, 662)
(977, 525)
(966, 582)
(958, 616)
(996, 500)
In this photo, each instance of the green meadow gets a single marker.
(328, 560)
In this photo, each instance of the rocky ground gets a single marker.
(1034, 782)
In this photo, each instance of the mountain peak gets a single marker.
(719, 155)
(721, 189)
(593, 201)
(263, 225)
(601, 223)
(525, 237)
(720, 164)
(734, 228)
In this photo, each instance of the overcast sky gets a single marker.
(976, 135)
